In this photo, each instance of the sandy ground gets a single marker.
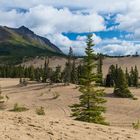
(57, 123)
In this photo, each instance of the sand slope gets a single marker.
(57, 123)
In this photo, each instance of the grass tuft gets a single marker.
(18, 108)
(40, 111)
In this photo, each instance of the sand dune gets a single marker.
(57, 123)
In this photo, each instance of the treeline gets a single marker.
(71, 73)
(113, 76)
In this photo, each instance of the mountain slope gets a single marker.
(20, 42)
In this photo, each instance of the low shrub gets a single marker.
(18, 108)
(136, 125)
(40, 111)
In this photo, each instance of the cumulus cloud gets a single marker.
(130, 19)
(52, 18)
(118, 47)
(78, 45)
(47, 19)
(100, 5)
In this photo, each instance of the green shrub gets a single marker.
(40, 111)
(123, 93)
(55, 95)
(136, 125)
(18, 108)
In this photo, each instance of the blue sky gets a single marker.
(114, 24)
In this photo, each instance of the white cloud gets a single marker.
(51, 22)
(78, 45)
(100, 5)
(118, 47)
(130, 19)
(47, 19)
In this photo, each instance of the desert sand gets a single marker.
(57, 124)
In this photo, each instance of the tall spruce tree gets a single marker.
(90, 108)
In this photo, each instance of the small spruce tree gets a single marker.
(121, 87)
(68, 68)
(45, 71)
(74, 73)
(136, 77)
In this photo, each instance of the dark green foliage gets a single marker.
(131, 77)
(128, 80)
(80, 69)
(46, 71)
(38, 74)
(56, 76)
(111, 76)
(74, 73)
(121, 87)
(108, 81)
(32, 73)
(136, 77)
(89, 109)
(68, 68)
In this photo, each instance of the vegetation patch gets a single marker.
(40, 111)
(18, 108)
(56, 95)
(136, 125)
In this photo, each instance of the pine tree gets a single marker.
(108, 81)
(68, 68)
(37, 74)
(136, 77)
(99, 69)
(74, 73)
(45, 70)
(113, 74)
(89, 109)
(32, 73)
(132, 76)
(56, 77)
(80, 70)
(127, 77)
(121, 87)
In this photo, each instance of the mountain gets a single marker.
(17, 43)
